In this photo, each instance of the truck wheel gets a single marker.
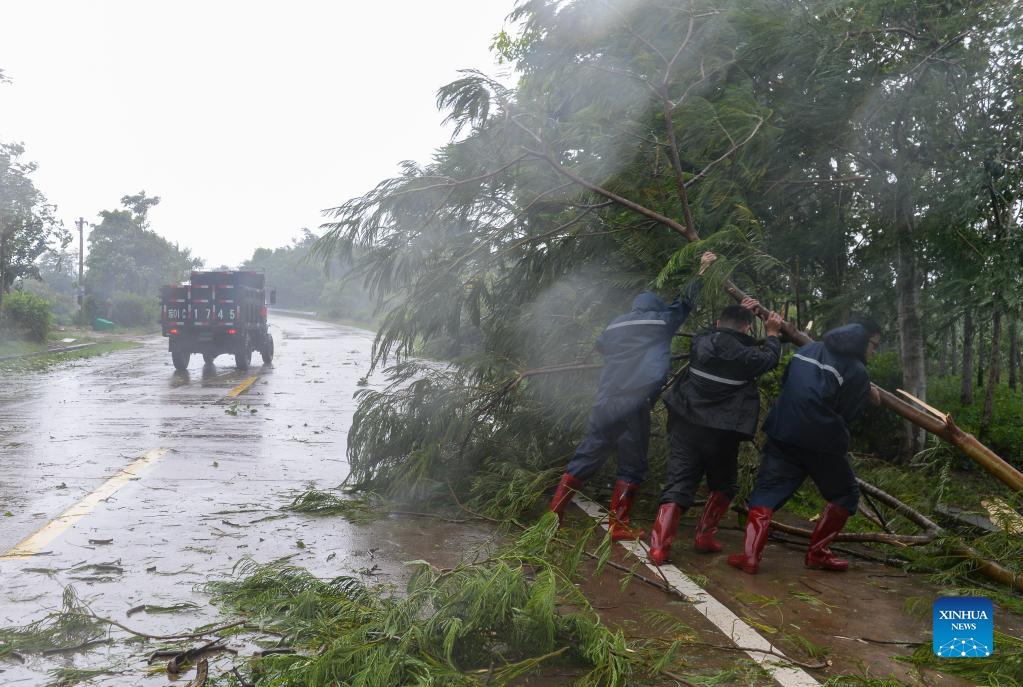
(267, 351)
(180, 359)
(243, 356)
(208, 358)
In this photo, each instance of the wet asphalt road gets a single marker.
(219, 471)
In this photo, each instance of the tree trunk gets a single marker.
(943, 359)
(1013, 353)
(954, 345)
(980, 355)
(914, 374)
(799, 302)
(966, 392)
(3, 263)
(995, 372)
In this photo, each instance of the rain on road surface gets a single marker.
(208, 495)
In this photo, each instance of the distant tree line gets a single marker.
(303, 283)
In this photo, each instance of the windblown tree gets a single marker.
(504, 243)
(832, 153)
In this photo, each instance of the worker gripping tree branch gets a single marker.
(712, 408)
(637, 353)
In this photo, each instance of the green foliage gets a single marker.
(487, 622)
(42, 363)
(70, 626)
(1005, 436)
(1004, 668)
(28, 226)
(315, 502)
(25, 315)
(68, 677)
(334, 290)
(873, 432)
(133, 310)
(127, 257)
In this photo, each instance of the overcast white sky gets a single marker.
(246, 118)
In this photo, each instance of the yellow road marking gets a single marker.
(233, 393)
(72, 515)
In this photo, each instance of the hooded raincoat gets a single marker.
(637, 354)
(825, 388)
(637, 345)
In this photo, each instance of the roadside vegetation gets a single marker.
(42, 361)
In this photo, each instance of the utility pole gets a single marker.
(81, 269)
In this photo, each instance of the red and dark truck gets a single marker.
(217, 313)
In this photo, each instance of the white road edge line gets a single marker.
(66, 520)
(716, 612)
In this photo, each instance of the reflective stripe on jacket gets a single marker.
(719, 390)
(637, 345)
(825, 388)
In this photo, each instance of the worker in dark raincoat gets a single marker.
(825, 388)
(637, 352)
(712, 408)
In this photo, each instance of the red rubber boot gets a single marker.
(621, 503)
(567, 488)
(819, 556)
(707, 527)
(758, 523)
(663, 532)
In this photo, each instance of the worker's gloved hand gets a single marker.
(773, 324)
(705, 260)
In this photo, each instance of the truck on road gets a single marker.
(215, 313)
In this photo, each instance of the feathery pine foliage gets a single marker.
(478, 623)
(71, 626)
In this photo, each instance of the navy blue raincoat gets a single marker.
(637, 345)
(825, 388)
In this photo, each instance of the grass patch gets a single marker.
(46, 361)
(19, 347)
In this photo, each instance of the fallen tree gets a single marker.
(477, 237)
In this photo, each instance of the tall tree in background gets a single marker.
(27, 225)
(140, 204)
(125, 257)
